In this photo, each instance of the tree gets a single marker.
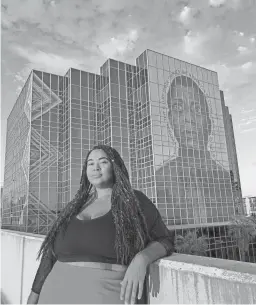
(243, 231)
(191, 244)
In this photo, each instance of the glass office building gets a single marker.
(232, 157)
(32, 182)
(164, 116)
(249, 203)
(188, 169)
(16, 158)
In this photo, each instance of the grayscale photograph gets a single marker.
(128, 152)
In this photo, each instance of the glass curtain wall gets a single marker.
(45, 153)
(119, 109)
(112, 107)
(232, 156)
(143, 171)
(16, 174)
(189, 145)
(102, 102)
(81, 136)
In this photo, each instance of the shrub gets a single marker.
(191, 244)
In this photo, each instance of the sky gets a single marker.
(54, 35)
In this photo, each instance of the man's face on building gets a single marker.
(188, 117)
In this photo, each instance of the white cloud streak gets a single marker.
(39, 60)
(230, 3)
(248, 130)
(192, 43)
(247, 111)
(248, 120)
(120, 44)
(216, 3)
(242, 49)
(185, 15)
(47, 61)
(247, 65)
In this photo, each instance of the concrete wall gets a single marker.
(178, 279)
(189, 279)
(18, 265)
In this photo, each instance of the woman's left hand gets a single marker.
(132, 284)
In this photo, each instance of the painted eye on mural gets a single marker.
(178, 105)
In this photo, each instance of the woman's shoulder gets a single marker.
(145, 202)
(148, 208)
(140, 195)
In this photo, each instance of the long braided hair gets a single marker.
(131, 229)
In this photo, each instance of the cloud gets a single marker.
(75, 22)
(29, 10)
(235, 77)
(192, 43)
(247, 65)
(185, 14)
(20, 78)
(120, 44)
(240, 34)
(57, 19)
(230, 3)
(53, 3)
(248, 130)
(216, 3)
(200, 45)
(247, 111)
(242, 49)
(47, 61)
(247, 121)
(6, 23)
(111, 5)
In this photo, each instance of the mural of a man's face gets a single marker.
(188, 113)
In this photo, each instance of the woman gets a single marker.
(102, 242)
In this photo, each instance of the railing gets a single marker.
(177, 279)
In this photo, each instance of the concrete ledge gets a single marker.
(24, 234)
(19, 264)
(189, 279)
(178, 279)
(213, 267)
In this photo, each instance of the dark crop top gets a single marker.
(93, 240)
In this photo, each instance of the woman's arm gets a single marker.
(161, 245)
(45, 267)
(154, 251)
(33, 298)
(161, 237)
(159, 233)
(133, 282)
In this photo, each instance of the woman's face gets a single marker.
(188, 117)
(99, 169)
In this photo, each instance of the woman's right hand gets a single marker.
(33, 298)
